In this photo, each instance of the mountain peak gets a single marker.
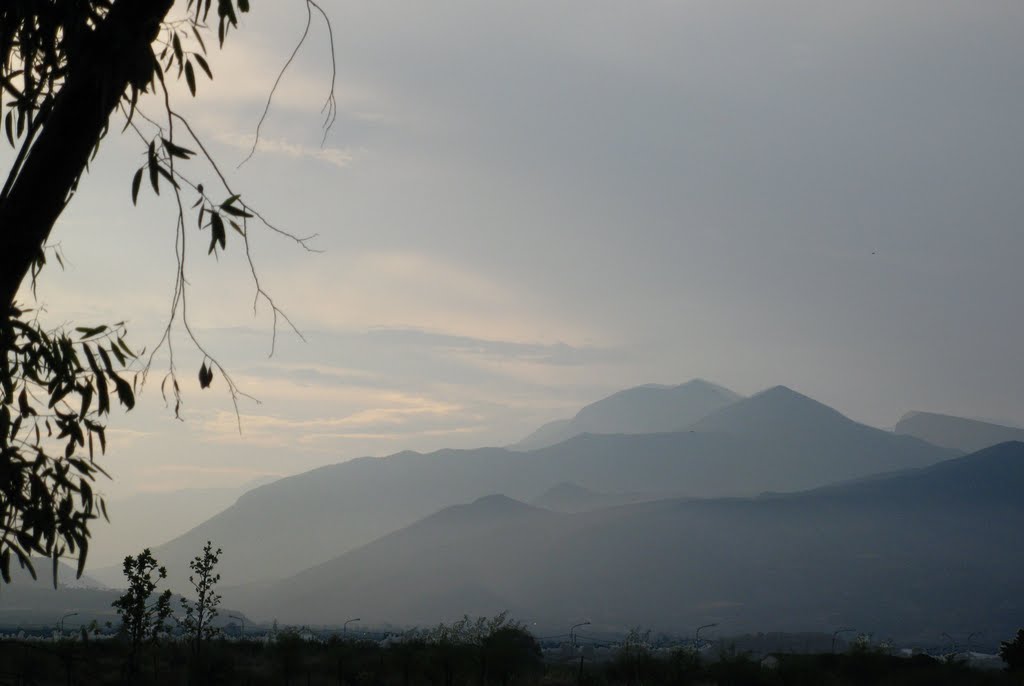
(495, 505)
(704, 384)
(776, 409)
(496, 500)
(641, 409)
(780, 391)
(484, 511)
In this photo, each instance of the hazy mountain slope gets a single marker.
(33, 601)
(21, 577)
(549, 434)
(299, 521)
(956, 432)
(899, 555)
(644, 409)
(570, 497)
(777, 410)
(482, 531)
(822, 444)
(148, 519)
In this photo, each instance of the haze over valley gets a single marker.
(769, 511)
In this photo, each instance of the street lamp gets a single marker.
(696, 637)
(344, 627)
(242, 620)
(70, 614)
(572, 633)
(835, 635)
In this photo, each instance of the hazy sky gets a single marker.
(527, 205)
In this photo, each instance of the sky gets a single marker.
(522, 207)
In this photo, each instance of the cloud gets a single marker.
(198, 469)
(311, 374)
(394, 436)
(339, 157)
(556, 354)
(407, 290)
(380, 414)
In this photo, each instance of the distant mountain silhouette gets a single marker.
(897, 555)
(22, 577)
(570, 497)
(774, 412)
(956, 432)
(294, 523)
(35, 601)
(821, 443)
(991, 477)
(149, 519)
(484, 525)
(644, 409)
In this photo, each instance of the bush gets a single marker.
(1012, 652)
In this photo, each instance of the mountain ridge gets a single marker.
(956, 432)
(794, 561)
(312, 517)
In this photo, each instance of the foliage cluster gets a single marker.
(66, 69)
(55, 391)
(493, 648)
(1012, 652)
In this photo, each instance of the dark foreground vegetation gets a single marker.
(506, 658)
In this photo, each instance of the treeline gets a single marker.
(506, 655)
(484, 651)
(155, 646)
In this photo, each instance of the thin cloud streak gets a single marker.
(339, 157)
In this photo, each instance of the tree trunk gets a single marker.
(119, 53)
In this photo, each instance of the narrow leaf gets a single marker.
(136, 183)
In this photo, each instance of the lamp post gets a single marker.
(572, 633)
(344, 627)
(696, 636)
(835, 635)
(61, 624)
(241, 633)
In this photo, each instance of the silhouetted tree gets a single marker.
(497, 646)
(200, 614)
(634, 657)
(510, 654)
(142, 619)
(1012, 652)
(67, 67)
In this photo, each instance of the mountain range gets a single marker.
(908, 555)
(769, 511)
(777, 440)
